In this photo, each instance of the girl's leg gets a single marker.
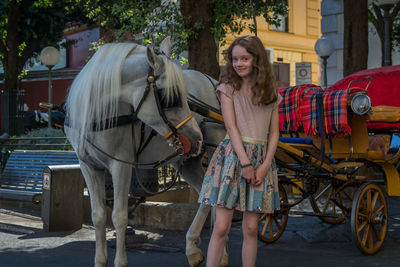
(219, 235)
(249, 247)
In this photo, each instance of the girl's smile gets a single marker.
(242, 61)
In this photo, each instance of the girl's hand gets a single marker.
(261, 173)
(248, 173)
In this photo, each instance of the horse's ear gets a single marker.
(152, 58)
(165, 46)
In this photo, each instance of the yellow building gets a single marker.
(294, 40)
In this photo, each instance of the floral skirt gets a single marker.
(224, 186)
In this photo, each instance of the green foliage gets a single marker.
(38, 24)
(234, 16)
(157, 19)
(45, 144)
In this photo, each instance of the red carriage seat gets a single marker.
(384, 92)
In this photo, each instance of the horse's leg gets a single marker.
(193, 252)
(193, 172)
(95, 183)
(121, 175)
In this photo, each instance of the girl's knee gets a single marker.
(250, 230)
(221, 230)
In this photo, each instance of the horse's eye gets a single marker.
(174, 102)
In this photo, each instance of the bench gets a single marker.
(22, 176)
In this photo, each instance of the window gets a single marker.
(283, 27)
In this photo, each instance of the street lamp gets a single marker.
(386, 6)
(49, 56)
(324, 48)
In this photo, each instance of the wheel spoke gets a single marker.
(362, 225)
(362, 203)
(333, 208)
(378, 237)
(368, 193)
(347, 195)
(267, 219)
(322, 192)
(380, 208)
(328, 200)
(340, 199)
(362, 214)
(370, 239)
(365, 236)
(278, 225)
(271, 229)
(374, 199)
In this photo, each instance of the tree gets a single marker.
(355, 39)
(376, 17)
(194, 26)
(26, 26)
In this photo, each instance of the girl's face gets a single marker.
(242, 61)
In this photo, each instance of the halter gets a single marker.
(180, 142)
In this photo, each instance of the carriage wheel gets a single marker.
(333, 200)
(369, 218)
(272, 226)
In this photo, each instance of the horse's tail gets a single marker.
(94, 94)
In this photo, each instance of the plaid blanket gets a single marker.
(309, 111)
(335, 113)
(289, 116)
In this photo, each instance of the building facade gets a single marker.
(332, 26)
(293, 42)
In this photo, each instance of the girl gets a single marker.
(242, 173)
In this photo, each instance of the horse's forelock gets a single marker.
(174, 79)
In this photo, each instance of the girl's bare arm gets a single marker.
(228, 112)
(273, 138)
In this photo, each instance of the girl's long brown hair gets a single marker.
(264, 89)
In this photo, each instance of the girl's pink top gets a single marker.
(253, 121)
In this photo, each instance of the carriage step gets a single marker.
(312, 214)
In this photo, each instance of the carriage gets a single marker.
(347, 169)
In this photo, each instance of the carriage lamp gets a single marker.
(386, 6)
(360, 104)
(324, 48)
(49, 56)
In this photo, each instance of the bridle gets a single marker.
(180, 142)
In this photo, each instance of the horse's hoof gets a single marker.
(195, 259)
(224, 261)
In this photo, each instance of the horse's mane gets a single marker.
(94, 94)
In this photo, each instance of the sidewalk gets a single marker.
(306, 242)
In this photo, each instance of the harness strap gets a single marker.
(320, 115)
(179, 125)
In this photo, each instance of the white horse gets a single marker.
(124, 82)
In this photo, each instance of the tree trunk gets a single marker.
(379, 24)
(11, 70)
(203, 47)
(355, 39)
